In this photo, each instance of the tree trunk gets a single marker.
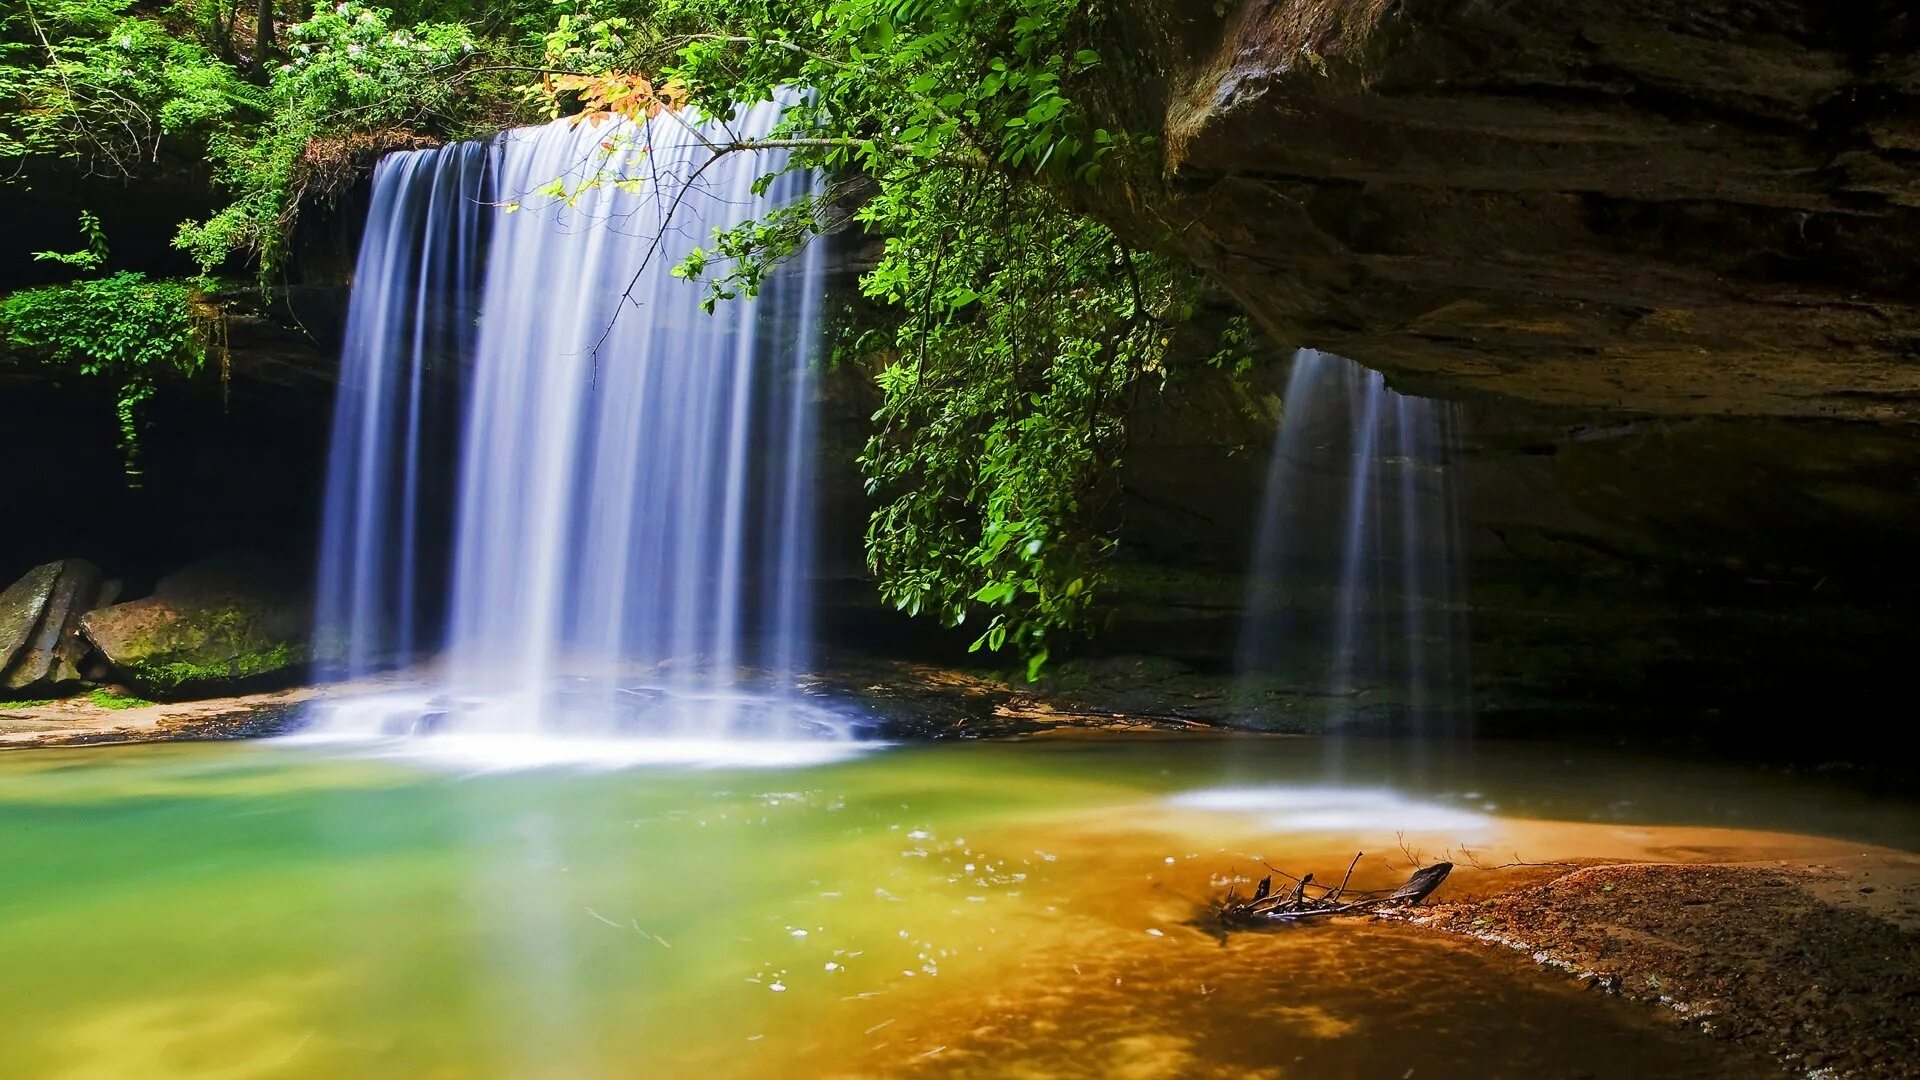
(262, 38)
(223, 20)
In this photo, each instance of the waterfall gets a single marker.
(1357, 589)
(627, 544)
(411, 320)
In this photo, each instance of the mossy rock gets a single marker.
(40, 644)
(226, 623)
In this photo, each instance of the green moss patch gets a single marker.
(166, 677)
(112, 699)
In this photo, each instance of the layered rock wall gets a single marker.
(1682, 208)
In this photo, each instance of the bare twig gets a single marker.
(1349, 877)
(1267, 909)
(1467, 856)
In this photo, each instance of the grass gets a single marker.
(112, 699)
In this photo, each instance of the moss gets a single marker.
(243, 665)
(109, 699)
(30, 703)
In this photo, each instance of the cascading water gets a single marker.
(631, 523)
(1358, 588)
(411, 323)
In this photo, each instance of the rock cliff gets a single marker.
(1680, 208)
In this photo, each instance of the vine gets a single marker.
(125, 328)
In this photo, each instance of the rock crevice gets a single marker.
(40, 644)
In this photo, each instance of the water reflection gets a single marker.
(1323, 808)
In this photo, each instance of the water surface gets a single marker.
(1012, 909)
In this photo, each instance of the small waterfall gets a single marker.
(1357, 589)
(631, 519)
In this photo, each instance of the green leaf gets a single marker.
(1035, 661)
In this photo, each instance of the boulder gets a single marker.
(20, 609)
(40, 644)
(228, 621)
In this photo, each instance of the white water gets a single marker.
(630, 532)
(410, 324)
(1358, 582)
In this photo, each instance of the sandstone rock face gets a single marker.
(228, 621)
(40, 644)
(1668, 207)
(1662, 251)
(1744, 571)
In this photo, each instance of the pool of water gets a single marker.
(1006, 909)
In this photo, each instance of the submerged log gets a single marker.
(1267, 907)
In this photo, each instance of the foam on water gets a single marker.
(497, 752)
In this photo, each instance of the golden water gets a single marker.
(1027, 910)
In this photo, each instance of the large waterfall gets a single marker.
(589, 497)
(1357, 588)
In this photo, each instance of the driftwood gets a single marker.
(1307, 900)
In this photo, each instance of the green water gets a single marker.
(258, 910)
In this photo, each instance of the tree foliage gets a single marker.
(1022, 332)
(125, 328)
(1006, 330)
(91, 82)
(1015, 328)
(349, 71)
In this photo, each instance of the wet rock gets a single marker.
(229, 621)
(40, 643)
